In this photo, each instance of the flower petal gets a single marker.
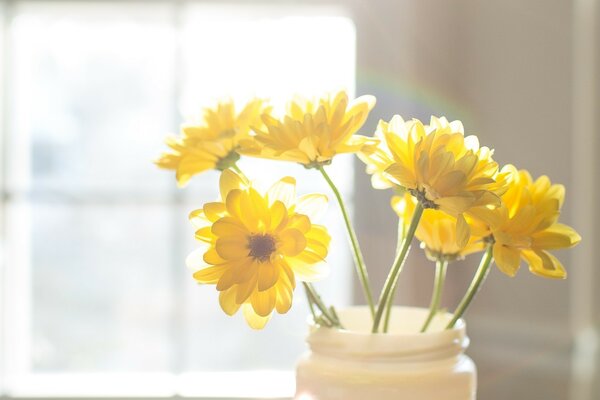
(244, 290)
(507, 259)
(210, 275)
(283, 190)
(232, 248)
(263, 302)
(312, 205)
(463, 231)
(254, 320)
(292, 242)
(268, 274)
(544, 264)
(308, 267)
(229, 181)
(227, 301)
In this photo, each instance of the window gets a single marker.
(96, 300)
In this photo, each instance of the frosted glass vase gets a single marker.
(354, 364)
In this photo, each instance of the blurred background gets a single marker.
(95, 299)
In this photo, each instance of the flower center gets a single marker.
(261, 247)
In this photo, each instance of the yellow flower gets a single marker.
(436, 231)
(438, 165)
(526, 226)
(313, 132)
(256, 246)
(213, 143)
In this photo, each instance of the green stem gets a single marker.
(316, 299)
(438, 286)
(310, 304)
(394, 274)
(237, 169)
(480, 275)
(388, 308)
(390, 303)
(358, 257)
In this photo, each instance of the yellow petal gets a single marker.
(198, 219)
(308, 267)
(195, 260)
(268, 274)
(227, 301)
(544, 264)
(210, 275)
(283, 302)
(283, 190)
(551, 240)
(254, 320)
(279, 216)
(189, 167)
(229, 181)
(233, 203)
(400, 175)
(227, 279)
(569, 237)
(228, 226)
(312, 205)
(212, 257)
(263, 303)
(292, 242)
(463, 232)
(307, 146)
(204, 234)
(507, 259)
(244, 290)
(232, 248)
(299, 222)
(454, 205)
(213, 211)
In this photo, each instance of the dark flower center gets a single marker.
(261, 247)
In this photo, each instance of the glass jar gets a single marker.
(353, 363)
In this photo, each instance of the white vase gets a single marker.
(403, 364)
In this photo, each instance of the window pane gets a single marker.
(101, 293)
(99, 235)
(93, 97)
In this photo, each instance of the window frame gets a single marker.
(68, 386)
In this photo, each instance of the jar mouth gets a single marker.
(403, 340)
(403, 321)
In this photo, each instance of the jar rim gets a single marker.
(403, 342)
(396, 328)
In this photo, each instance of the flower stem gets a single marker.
(392, 279)
(438, 286)
(316, 299)
(237, 169)
(310, 304)
(358, 257)
(480, 275)
(390, 303)
(388, 308)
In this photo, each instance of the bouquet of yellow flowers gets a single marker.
(448, 192)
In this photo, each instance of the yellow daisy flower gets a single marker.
(438, 165)
(526, 226)
(213, 143)
(313, 132)
(436, 231)
(256, 246)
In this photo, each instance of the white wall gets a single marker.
(508, 70)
